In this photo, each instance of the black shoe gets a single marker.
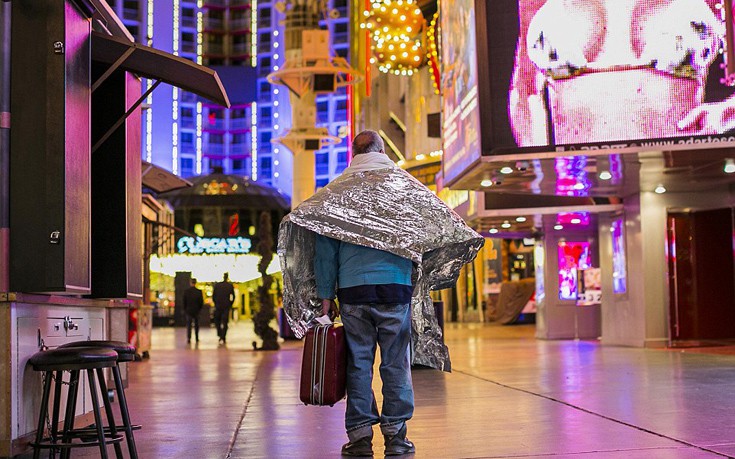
(362, 447)
(398, 444)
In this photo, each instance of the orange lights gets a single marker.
(396, 28)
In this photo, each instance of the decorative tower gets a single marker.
(308, 70)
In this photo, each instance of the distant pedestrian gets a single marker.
(223, 296)
(193, 303)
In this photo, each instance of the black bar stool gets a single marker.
(54, 363)
(125, 353)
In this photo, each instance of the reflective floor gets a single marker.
(509, 396)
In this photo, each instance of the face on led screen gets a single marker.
(571, 75)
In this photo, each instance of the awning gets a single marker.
(155, 64)
(160, 180)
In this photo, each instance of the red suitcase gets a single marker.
(323, 368)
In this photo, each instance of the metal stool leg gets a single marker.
(42, 415)
(97, 415)
(71, 410)
(122, 401)
(108, 412)
(55, 417)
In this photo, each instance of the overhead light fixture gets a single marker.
(575, 221)
(506, 170)
(486, 183)
(660, 189)
(493, 230)
(729, 166)
(578, 186)
(506, 224)
(605, 175)
(521, 219)
(558, 227)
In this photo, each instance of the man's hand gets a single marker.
(329, 308)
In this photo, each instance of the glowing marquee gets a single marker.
(212, 245)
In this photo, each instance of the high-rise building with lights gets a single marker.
(243, 41)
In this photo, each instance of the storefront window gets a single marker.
(538, 259)
(572, 257)
(620, 273)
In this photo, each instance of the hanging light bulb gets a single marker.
(660, 189)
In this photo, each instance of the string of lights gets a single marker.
(397, 29)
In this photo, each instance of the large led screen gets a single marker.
(460, 114)
(569, 75)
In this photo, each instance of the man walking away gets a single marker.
(193, 303)
(223, 296)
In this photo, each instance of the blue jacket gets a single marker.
(339, 264)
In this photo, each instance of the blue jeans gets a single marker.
(389, 326)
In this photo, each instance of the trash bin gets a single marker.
(140, 329)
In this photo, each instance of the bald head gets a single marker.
(367, 142)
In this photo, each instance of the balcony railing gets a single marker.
(240, 48)
(188, 123)
(216, 124)
(188, 97)
(188, 21)
(214, 48)
(215, 149)
(188, 47)
(239, 123)
(213, 24)
(187, 148)
(131, 13)
(239, 149)
(239, 24)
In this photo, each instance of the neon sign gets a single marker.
(211, 245)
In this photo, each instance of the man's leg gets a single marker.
(218, 321)
(188, 328)
(225, 322)
(394, 336)
(196, 327)
(360, 337)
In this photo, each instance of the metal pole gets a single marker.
(4, 146)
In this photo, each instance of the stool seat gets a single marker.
(73, 358)
(125, 351)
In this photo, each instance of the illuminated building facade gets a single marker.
(243, 41)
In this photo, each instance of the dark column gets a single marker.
(4, 144)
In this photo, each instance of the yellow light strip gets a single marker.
(392, 145)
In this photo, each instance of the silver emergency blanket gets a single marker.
(385, 209)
